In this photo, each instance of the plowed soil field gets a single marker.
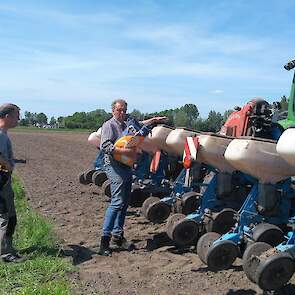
(50, 177)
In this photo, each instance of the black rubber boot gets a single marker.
(104, 248)
(120, 243)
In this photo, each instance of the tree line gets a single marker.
(186, 116)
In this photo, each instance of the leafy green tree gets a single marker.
(181, 119)
(214, 121)
(200, 125)
(52, 121)
(97, 118)
(185, 116)
(30, 118)
(24, 122)
(41, 118)
(137, 115)
(91, 120)
(61, 122)
(191, 112)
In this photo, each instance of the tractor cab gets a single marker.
(253, 119)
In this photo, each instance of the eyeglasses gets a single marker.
(120, 110)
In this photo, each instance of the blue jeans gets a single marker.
(121, 180)
(99, 161)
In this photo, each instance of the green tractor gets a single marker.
(290, 120)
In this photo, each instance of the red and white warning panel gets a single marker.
(191, 147)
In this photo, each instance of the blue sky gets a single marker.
(59, 57)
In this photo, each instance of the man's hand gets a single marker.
(129, 152)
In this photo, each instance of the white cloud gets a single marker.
(217, 91)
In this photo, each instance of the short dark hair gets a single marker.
(7, 108)
(121, 101)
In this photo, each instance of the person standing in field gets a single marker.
(9, 116)
(120, 176)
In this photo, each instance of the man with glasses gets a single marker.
(120, 176)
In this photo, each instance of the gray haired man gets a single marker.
(120, 176)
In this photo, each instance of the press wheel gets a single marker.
(106, 188)
(222, 221)
(268, 233)
(184, 232)
(99, 177)
(82, 179)
(149, 201)
(275, 271)
(251, 260)
(157, 211)
(170, 223)
(204, 244)
(88, 175)
(190, 202)
(222, 255)
(138, 196)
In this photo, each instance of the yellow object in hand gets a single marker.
(127, 141)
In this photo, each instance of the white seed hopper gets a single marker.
(212, 148)
(158, 136)
(286, 146)
(94, 138)
(258, 158)
(155, 141)
(176, 139)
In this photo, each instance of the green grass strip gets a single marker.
(44, 272)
